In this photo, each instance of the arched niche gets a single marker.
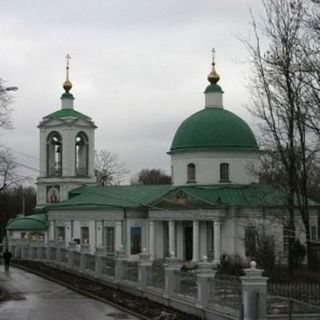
(54, 154)
(81, 154)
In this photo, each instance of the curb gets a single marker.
(81, 291)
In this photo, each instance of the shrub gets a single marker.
(231, 264)
(265, 252)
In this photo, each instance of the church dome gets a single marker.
(213, 129)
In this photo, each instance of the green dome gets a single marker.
(214, 129)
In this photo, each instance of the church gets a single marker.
(214, 206)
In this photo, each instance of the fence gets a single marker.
(293, 298)
(198, 291)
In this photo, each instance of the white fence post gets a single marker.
(99, 254)
(254, 293)
(204, 274)
(85, 249)
(120, 265)
(144, 268)
(172, 275)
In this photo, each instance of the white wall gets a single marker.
(208, 167)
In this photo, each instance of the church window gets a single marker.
(191, 172)
(135, 237)
(250, 241)
(85, 235)
(60, 232)
(224, 171)
(81, 154)
(313, 233)
(54, 154)
(109, 239)
(287, 235)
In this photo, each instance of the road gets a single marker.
(35, 298)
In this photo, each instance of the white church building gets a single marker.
(214, 206)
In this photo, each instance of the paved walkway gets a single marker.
(35, 298)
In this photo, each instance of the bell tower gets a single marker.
(66, 150)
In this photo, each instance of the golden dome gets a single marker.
(67, 85)
(213, 76)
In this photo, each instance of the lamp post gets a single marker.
(11, 88)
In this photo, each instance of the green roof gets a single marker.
(213, 87)
(35, 222)
(144, 196)
(114, 196)
(67, 95)
(214, 128)
(64, 113)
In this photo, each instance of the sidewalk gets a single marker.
(32, 297)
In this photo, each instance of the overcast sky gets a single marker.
(138, 68)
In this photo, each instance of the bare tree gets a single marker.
(108, 169)
(7, 169)
(279, 100)
(151, 176)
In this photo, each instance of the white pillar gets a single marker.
(51, 230)
(68, 232)
(172, 238)
(195, 249)
(118, 236)
(99, 234)
(216, 240)
(151, 239)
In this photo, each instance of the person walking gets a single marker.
(7, 255)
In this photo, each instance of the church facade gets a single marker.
(214, 206)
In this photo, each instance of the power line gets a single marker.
(19, 152)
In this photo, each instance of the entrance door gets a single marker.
(188, 241)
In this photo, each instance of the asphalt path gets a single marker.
(35, 298)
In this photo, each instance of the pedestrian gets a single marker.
(6, 257)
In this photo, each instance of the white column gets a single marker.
(151, 239)
(51, 230)
(195, 249)
(118, 236)
(68, 232)
(99, 233)
(216, 240)
(172, 238)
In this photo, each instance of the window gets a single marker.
(109, 239)
(191, 172)
(313, 233)
(250, 241)
(84, 235)
(81, 154)
(54, 154)
(60, 231)
(224, 171)
(135, 237)
(287, 234)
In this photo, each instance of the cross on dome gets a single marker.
(213, 76)
(67, 85)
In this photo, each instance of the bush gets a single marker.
(265, 252)
(231, 264)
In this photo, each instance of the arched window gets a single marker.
(54, 154)
(81, 154)
(224, 172)
(191, 172)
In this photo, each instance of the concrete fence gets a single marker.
(191, 291)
